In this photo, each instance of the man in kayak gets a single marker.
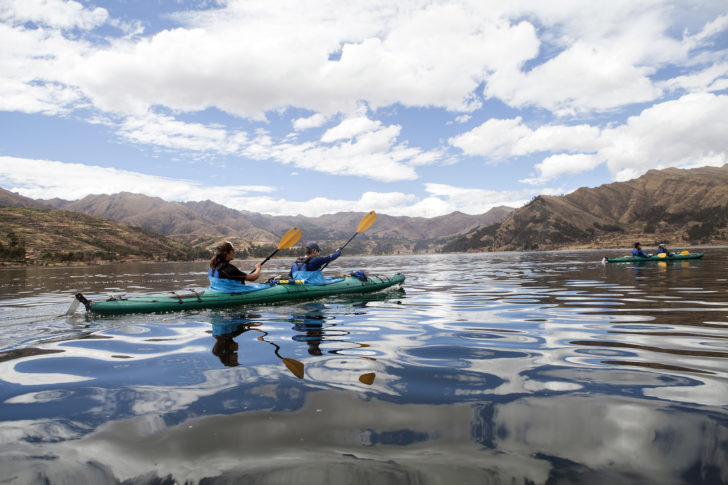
(225, 276)
(637, 251)
(662, 249)
(312, 261)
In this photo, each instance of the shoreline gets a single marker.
(38, 264)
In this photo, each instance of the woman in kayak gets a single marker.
(312, 261)
(662, 249)
(637, 251)
(220, 266)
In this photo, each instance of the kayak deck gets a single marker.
(191, 299)
(674, 257)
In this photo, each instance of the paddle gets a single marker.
(293, 365)
(367, 379)
(364, 224)
(662, 255)
(289, 239)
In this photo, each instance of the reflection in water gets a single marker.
(310, 327)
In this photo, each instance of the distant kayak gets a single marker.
(674, 257)
(191, 299)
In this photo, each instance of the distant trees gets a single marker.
(14, 250)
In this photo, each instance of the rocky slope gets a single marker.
(678, 207)
(205, 223)
(56, 236)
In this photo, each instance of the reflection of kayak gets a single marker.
(674, 257)
(191, 299)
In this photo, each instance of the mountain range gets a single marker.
(206, 223)
(672, 206)
(675, 206)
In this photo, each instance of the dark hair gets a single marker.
(637, 244)
(222, 251)
(311, 247)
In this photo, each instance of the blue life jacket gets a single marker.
(313, 277)
(224, 285)
(640, 253)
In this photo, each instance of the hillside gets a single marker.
(206, 223)
(678, 207)
(55, 236)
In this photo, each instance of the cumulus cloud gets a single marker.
(314, 121)
(46, 179)
(563, 163)
(685, 132)
(472, 200)
(494, 139)
(247, 59)
(499, 139)
(52, 13)
(350, 128)
(165, 131)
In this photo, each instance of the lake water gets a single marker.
(513, 368)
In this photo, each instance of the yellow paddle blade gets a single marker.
(295, 366)
(685, 252)
(367, 221)
(367, 379)
(662, 255)
(290, 238)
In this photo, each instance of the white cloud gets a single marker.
(45, 179)
(52, 13)
(475, 201)
(501, 139)
(357, 146)
(167, 132)
(712, 78)
(313, 121)
(563, 163)
(350, 128)
(493, 139)
(247, 58)
(582, 78)
(686, 132)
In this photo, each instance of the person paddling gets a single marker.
(312, 261)
(223, 275)
(662, 249)
(637, 251)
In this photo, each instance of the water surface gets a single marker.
(489, 368)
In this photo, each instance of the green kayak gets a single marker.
(674, 257)
(191, 299)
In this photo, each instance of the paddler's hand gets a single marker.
(254, 275)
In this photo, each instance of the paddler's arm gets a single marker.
(254, 275)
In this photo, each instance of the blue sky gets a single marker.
(310, 107)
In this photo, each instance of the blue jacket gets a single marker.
(640, 253)
(312, 264)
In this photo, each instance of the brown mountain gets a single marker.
(205, 223)
(11, 199)
(57, 236)
(678, 207)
